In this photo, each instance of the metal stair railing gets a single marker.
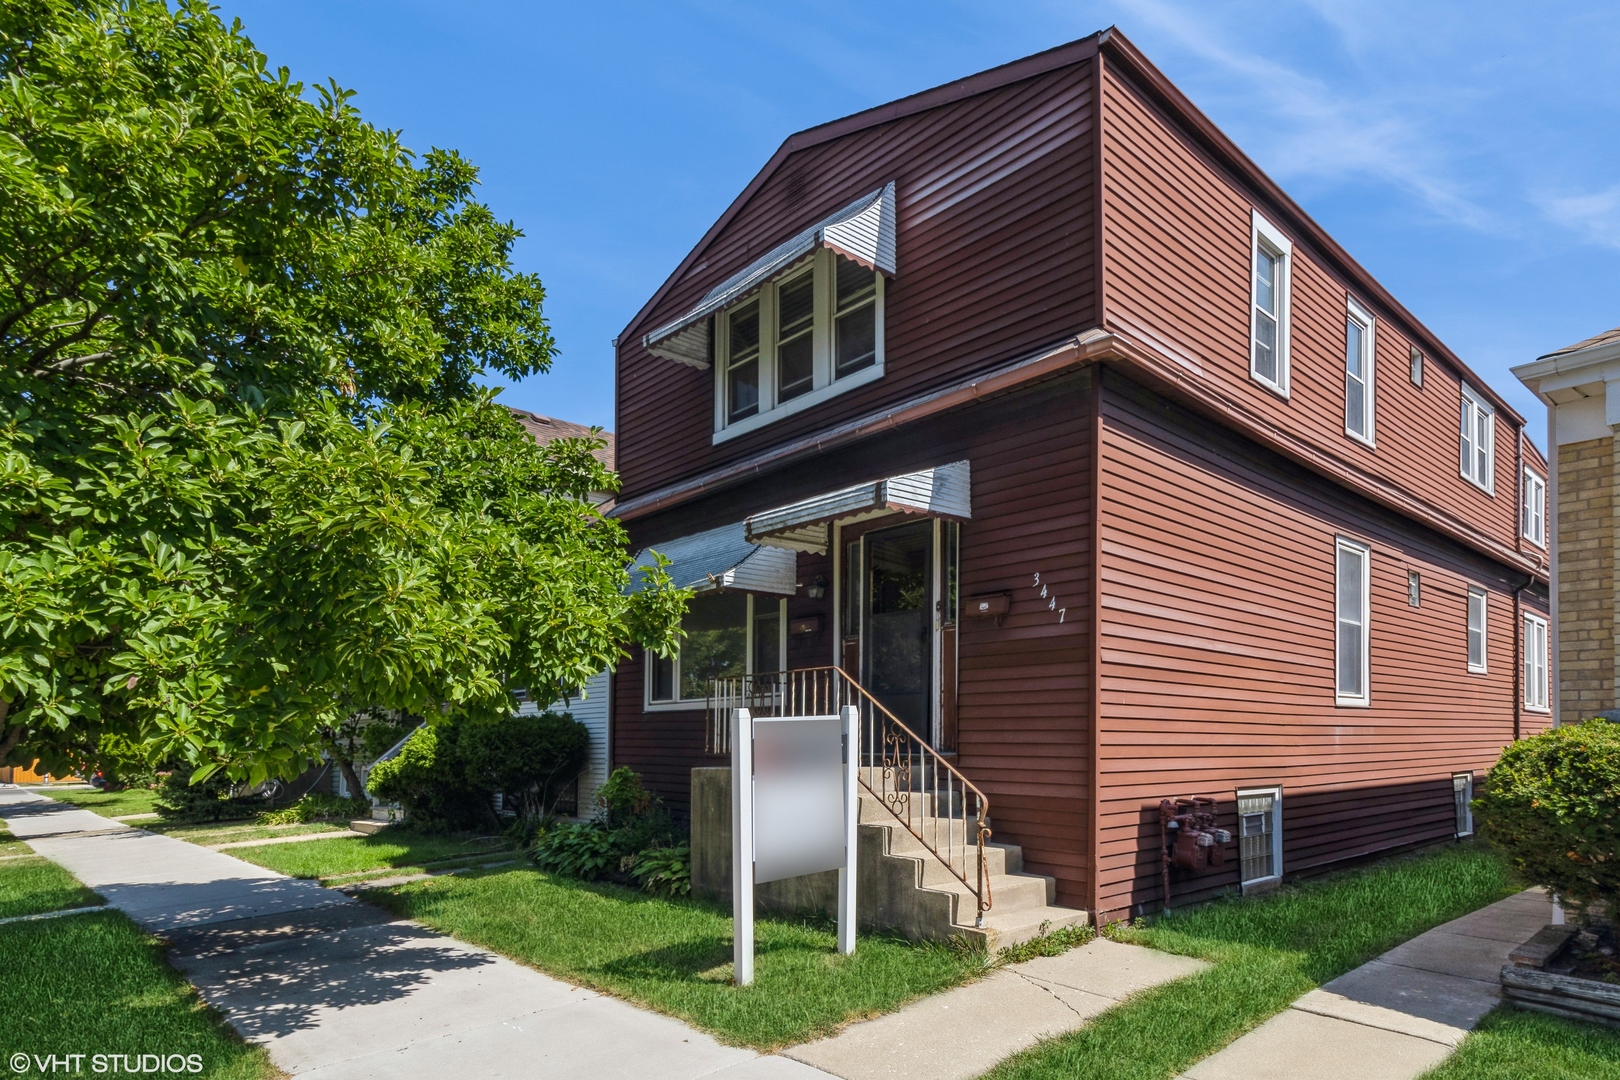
(928, 795)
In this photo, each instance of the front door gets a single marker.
(898, 638)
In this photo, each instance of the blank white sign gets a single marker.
(799, 801)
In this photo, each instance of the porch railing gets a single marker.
(928, 795)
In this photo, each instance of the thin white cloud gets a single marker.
(1312, 129)
(1595, 216)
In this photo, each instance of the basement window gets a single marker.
(1414, 589)
(1259, 836)
(1476, 629)
(1462, 794)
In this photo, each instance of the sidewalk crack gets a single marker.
(1036, 982)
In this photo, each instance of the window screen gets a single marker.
(1257, 824)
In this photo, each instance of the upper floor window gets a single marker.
(1358, 373)
(812, 332)
(1477, 440)
(1533, 509)
(1271, 253)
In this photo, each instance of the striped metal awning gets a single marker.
(862, 231)
(722, 558)
(943, 491)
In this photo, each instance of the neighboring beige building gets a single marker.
(1583, 415)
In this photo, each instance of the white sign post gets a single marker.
(792, 813)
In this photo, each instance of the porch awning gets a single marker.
(723, 558)
(862, 231)
(806, 526)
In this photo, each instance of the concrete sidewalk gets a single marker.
(1392, 1018)
(333, 988)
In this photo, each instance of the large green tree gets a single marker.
(248, 482)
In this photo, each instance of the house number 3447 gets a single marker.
(1050, 598)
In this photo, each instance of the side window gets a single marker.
(1476, 441)
(1358, 373)
(1533, 509)
(1271, 252)
(726, 636)
(1351, 669)
(1535, 663)
(1476, 628)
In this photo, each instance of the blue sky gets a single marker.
(1465, 153)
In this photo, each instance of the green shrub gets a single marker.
(533, 758)
(212, 799)
(664, 871)
(1551, 804)
(425, 779)
(621, 797)
(587, 850)
(318, 807)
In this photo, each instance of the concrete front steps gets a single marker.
(940, 905)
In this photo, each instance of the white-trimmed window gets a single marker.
(1269, 273)
(1259, 836)
(726, 635)
(816, 330)
(1533, 509)
(1477, 441)
(1477, 605)
(1462, 798)
(1535, 663)
(1358, 373)
(1351, 597)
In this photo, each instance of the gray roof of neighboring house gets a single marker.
(545, 429)
(1605, 338)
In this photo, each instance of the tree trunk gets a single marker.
(357, 790)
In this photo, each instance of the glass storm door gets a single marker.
(898, 660)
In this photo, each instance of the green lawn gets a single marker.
(9, 844)
(108, 803)
(1514, 1045)
(32, 886)
(1266, 952)
(675, 956)
(342, 856)
(228, 832)
(86, 984)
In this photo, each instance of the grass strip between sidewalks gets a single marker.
(106, 803)
(37, 885)
(675, 955)
(1266, 952)
(343, 856)
(9, 844)
(95, 984)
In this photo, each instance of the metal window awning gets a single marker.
(862, 231)
(942, 491)
(723, 558)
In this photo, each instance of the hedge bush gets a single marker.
(1551, 804)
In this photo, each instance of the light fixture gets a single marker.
(817, 588)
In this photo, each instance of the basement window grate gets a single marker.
(1462, 794)
(1257, 835)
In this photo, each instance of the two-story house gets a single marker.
(1036, 407)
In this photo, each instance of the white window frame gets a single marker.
(1276, 838)
(1483, 596)
(1265, 236)
(688, 704)
(1537, 664)
(822, 263)
(1355, 313)
(1476, 426)
(1364, 698)
(1465, 827)
(1533, 507)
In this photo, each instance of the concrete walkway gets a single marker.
(336, 989)
(964, 1032)
(1395, 1017)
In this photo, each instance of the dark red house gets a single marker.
(1033, 404)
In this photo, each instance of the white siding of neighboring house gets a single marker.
(591, 709)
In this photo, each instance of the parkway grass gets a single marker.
(675, 955)
(9, 844)
(1266, 952)
(1514, 1045)
(32, 886)
(107, 803)
(95, 984)
(342, 856)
